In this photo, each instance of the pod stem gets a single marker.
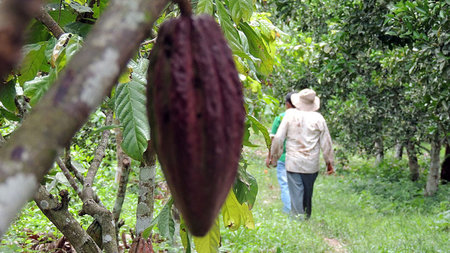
(185, 7)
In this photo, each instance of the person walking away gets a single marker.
(306, 133)
(281, 169)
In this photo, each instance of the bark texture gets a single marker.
(379, 149)
(147, 172)
(87, 79)
(433, 174)
(14, 18)
(399, 151)
(412, 161)
(445, 172)
(60, 216)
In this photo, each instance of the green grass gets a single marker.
(361, 209)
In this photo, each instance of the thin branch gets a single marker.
(68, 176)
(124, 163)
(70, 167)
(152, 41)
(50, 23)
(99, 153)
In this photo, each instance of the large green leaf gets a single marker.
(166, 224)
(132, 113)
(230, 31)
(164, 220)
(8, 95)
(246, 187)
(33, 61)
(205, 6)
(258, 49)
(260, 127)
(211, 241)
(236, 214)
(241, 10)
(37, 87)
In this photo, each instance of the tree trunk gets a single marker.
(86, 80)
(412, 161)
(445, 172)
(60, 216)
(399, 151)
(144, 211)
(433, 174)
(379, 149)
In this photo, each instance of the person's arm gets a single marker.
(268, 160)
(275, 125)
(278, 141)
(327, 148)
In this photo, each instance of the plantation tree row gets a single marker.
(382, 70)
(69, 67)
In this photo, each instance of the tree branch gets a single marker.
(60, 216)
(71, 168)
(90, 206)
(86, 80)
(68, 176)
(123, 162)
(50, 23)
(14, 18)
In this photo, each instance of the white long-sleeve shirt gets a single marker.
(305, 133)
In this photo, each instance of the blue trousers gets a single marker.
(301, 190)
(282, 180)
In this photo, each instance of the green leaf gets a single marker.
(33, 61)
(211, 241)
(258, 49)
(235, 214)
(230, 32)
(80, 8)
(241, 10)
(8, 95)
(79, 28)
(166, 224)
(37, 87)
(185, 236)
(162, 215)
(103, 128)
(205, 6)
(262, 129)
(132, 113)
(245, 188)
(8, 115)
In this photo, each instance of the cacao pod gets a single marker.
(196, 115)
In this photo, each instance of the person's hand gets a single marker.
(330, 169)
(268, 160)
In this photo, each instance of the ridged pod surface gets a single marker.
(197, 115)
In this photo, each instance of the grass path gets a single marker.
(343, 220)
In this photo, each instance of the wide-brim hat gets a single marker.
(306, 100)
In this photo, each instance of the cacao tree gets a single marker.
(72, 60)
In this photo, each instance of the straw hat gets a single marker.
(306, 100)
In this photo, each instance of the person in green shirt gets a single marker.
(281, 169)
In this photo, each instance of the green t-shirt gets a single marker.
(275, 125)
